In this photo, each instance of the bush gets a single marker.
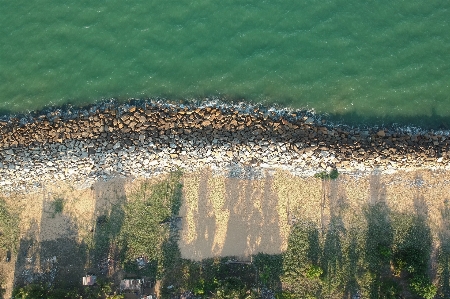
(334, 174)
(314, 272)
(422, 287)
(321, 175)
(270, 267)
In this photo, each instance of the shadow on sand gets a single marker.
(51, 253)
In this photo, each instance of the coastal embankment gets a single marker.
(248, 183)
(148, 138)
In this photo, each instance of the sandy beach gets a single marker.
(226, 216)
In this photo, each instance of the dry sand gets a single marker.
(224, 216)
(227, 216)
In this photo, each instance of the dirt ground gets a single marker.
(221, 215)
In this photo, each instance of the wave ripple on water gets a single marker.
(380, 62)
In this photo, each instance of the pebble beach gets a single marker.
(148, 138)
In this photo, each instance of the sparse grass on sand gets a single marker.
(233, 217)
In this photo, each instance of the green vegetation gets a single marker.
(57, 206)
(443, 254)
(269, 269)
(9, 237)
(333, 175)
(9, 228)
(411, 253)
(34, 291)
(339, 262)
(2, 289)
(211, 278)
(138, 227)
(148, 218)
(423, 287)
(381, 254)
(142, 225)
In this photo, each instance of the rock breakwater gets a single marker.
(146, 138)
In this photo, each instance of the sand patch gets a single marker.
(228, 216)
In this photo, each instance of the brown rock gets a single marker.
(381, 133)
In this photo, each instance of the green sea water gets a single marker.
(359, 61)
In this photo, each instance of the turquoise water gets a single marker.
(364, 61)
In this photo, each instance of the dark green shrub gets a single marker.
(270, 268)
(334, 174)
(384, 251)
(57, 206)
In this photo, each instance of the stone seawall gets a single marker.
(148, 138)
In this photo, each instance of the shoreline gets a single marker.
(147, 138)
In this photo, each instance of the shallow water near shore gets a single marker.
(372, 63)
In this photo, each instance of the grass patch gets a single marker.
(105, 241)
(57, 206)
(387, 256)
(149, 216)
(9, 228)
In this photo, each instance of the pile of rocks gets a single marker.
(150, 138)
